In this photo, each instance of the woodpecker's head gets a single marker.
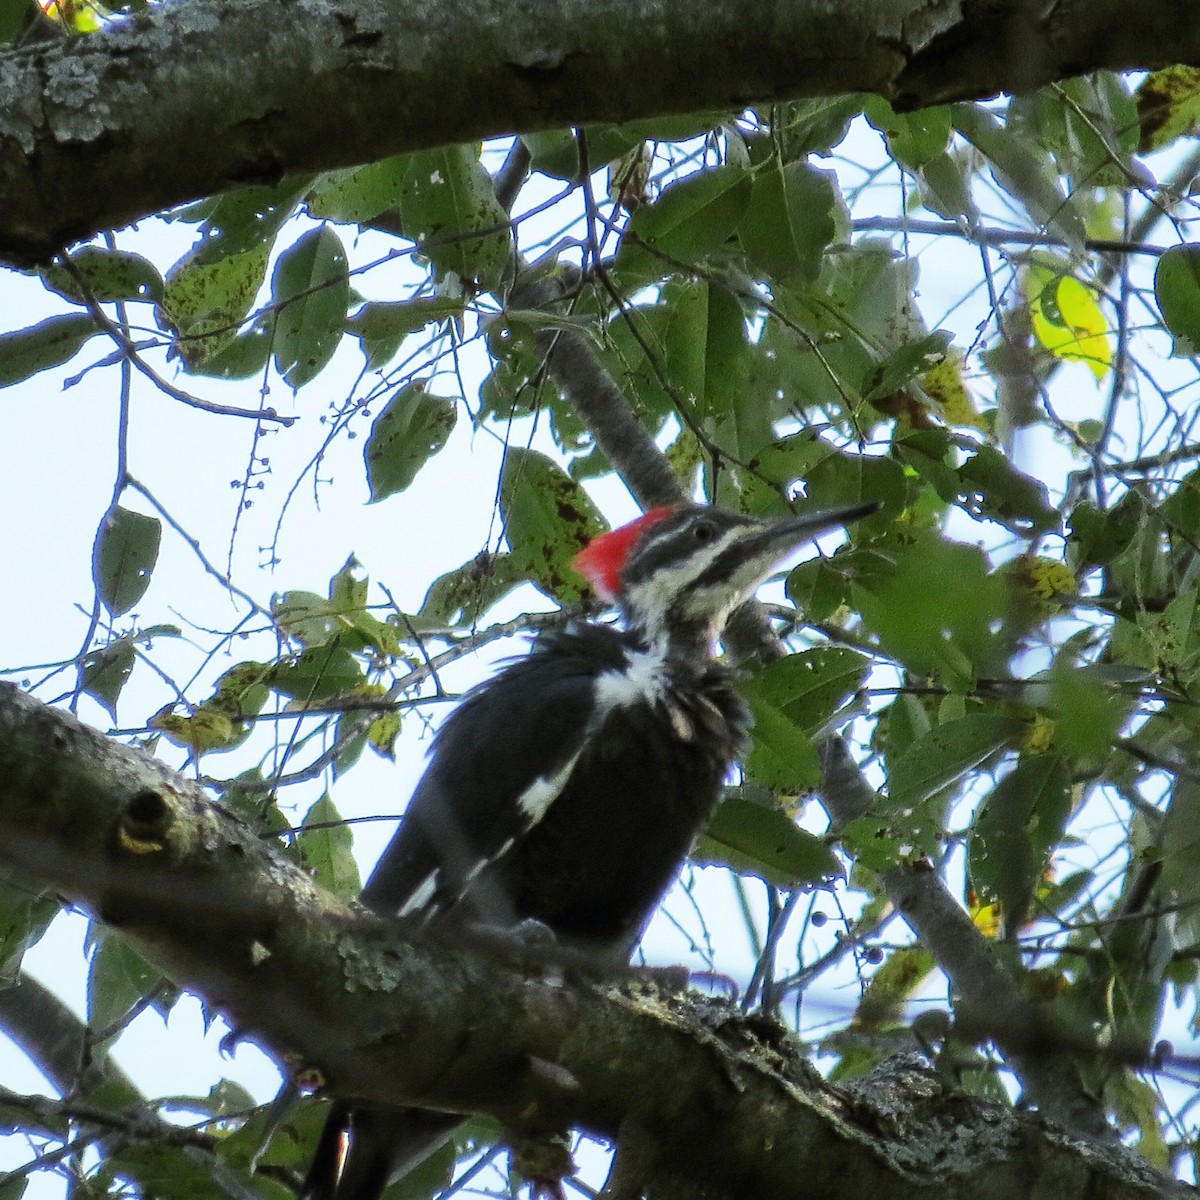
(676, 573)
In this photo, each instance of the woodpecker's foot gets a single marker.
(527, 941)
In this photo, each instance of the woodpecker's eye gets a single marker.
(705, 531)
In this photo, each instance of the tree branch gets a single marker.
(1039, 1053)
(393, 1021)
(184, 100)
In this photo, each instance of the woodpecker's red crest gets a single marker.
(601, 560)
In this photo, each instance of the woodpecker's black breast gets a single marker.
(567, 789)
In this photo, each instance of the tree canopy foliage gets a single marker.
(968, 820)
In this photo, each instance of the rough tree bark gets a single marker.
(187, 99)
(728, 1110)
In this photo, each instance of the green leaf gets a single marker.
(1168, 105)
(556, 152)
(1180, 850)
(1177, 290)
(755, 840)
(110, 275)
(1015, 831)
(905, 363)
(945, 754)
(1181, 509)
(356, 194)
(795, 212)
(314, 620)
(548, 519)
(246, 354)
(206, 303)
(311, 291)
(410, 430)
(13, 1188)
(118, 979)
(105, 672)
(382, 733)
(914, 138)
(25, 914)
(210, 290)
(221, 722)
(810, 686)
(126, 551)
(782, 756)
(933, 604)
(13, 15)
(448, 204)
(462, 596)
(1089, 124)
(1097, 538)
(161, 1170)
(814, 125)
(992, 487)
(382, 326)
(693, 218)
(325, 846)
(316, 674)
(945, 188)
(1090, 707)
(25, 352)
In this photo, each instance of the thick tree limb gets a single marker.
(189, 98)
(456, 1028)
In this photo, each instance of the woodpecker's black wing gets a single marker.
(497, 765)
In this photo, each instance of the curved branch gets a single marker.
(56, 1040)
(184, 100)
(461, 1029)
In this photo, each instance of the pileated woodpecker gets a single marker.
(568, 789)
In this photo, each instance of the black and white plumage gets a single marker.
(568, 789)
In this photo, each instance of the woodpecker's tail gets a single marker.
(362, 1150)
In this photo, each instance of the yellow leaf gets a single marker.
(944, 385)
(77, 16)
(1040, 736)
(1067, 320)
(986, 918)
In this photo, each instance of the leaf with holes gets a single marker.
(126, 551)
(548, 518)
(108, 275)
(105, 672)
(755, 840)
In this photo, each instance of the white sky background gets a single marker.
(58, 452)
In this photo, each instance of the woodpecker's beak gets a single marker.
(760, 548)
(807, 527)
